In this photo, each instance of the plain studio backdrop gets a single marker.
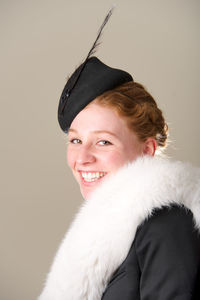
(42, 42)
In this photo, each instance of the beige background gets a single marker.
(42, 41)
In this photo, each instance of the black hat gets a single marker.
(91, 79)
(95, 79)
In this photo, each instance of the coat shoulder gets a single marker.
(170, 230)
(168, 223)
(167, 246)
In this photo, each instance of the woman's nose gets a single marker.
(85, 155)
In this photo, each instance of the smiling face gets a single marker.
(99, 144)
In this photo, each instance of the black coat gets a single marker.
(138, 226)
(163, 262)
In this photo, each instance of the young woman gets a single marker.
(137, 234)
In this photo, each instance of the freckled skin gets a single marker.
(93, 149)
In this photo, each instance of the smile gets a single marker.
(92, 176)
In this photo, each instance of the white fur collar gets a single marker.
(100, 237)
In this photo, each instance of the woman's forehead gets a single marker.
(98, 118)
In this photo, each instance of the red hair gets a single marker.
(132, 102)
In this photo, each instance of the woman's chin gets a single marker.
(88, 188)
(87, 191)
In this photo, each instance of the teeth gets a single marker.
(92, 176)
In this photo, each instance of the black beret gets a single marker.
(83, 87)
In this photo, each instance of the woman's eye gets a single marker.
(104, 143)
(75, 141)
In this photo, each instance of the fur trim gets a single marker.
(100, 237)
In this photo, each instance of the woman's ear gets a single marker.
(150, 146)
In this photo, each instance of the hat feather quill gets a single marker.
(97, 42)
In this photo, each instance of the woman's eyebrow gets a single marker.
(72, 130)
(105, 131)
(95, 131)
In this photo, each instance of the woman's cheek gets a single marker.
(70, 157)
(113, 161)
